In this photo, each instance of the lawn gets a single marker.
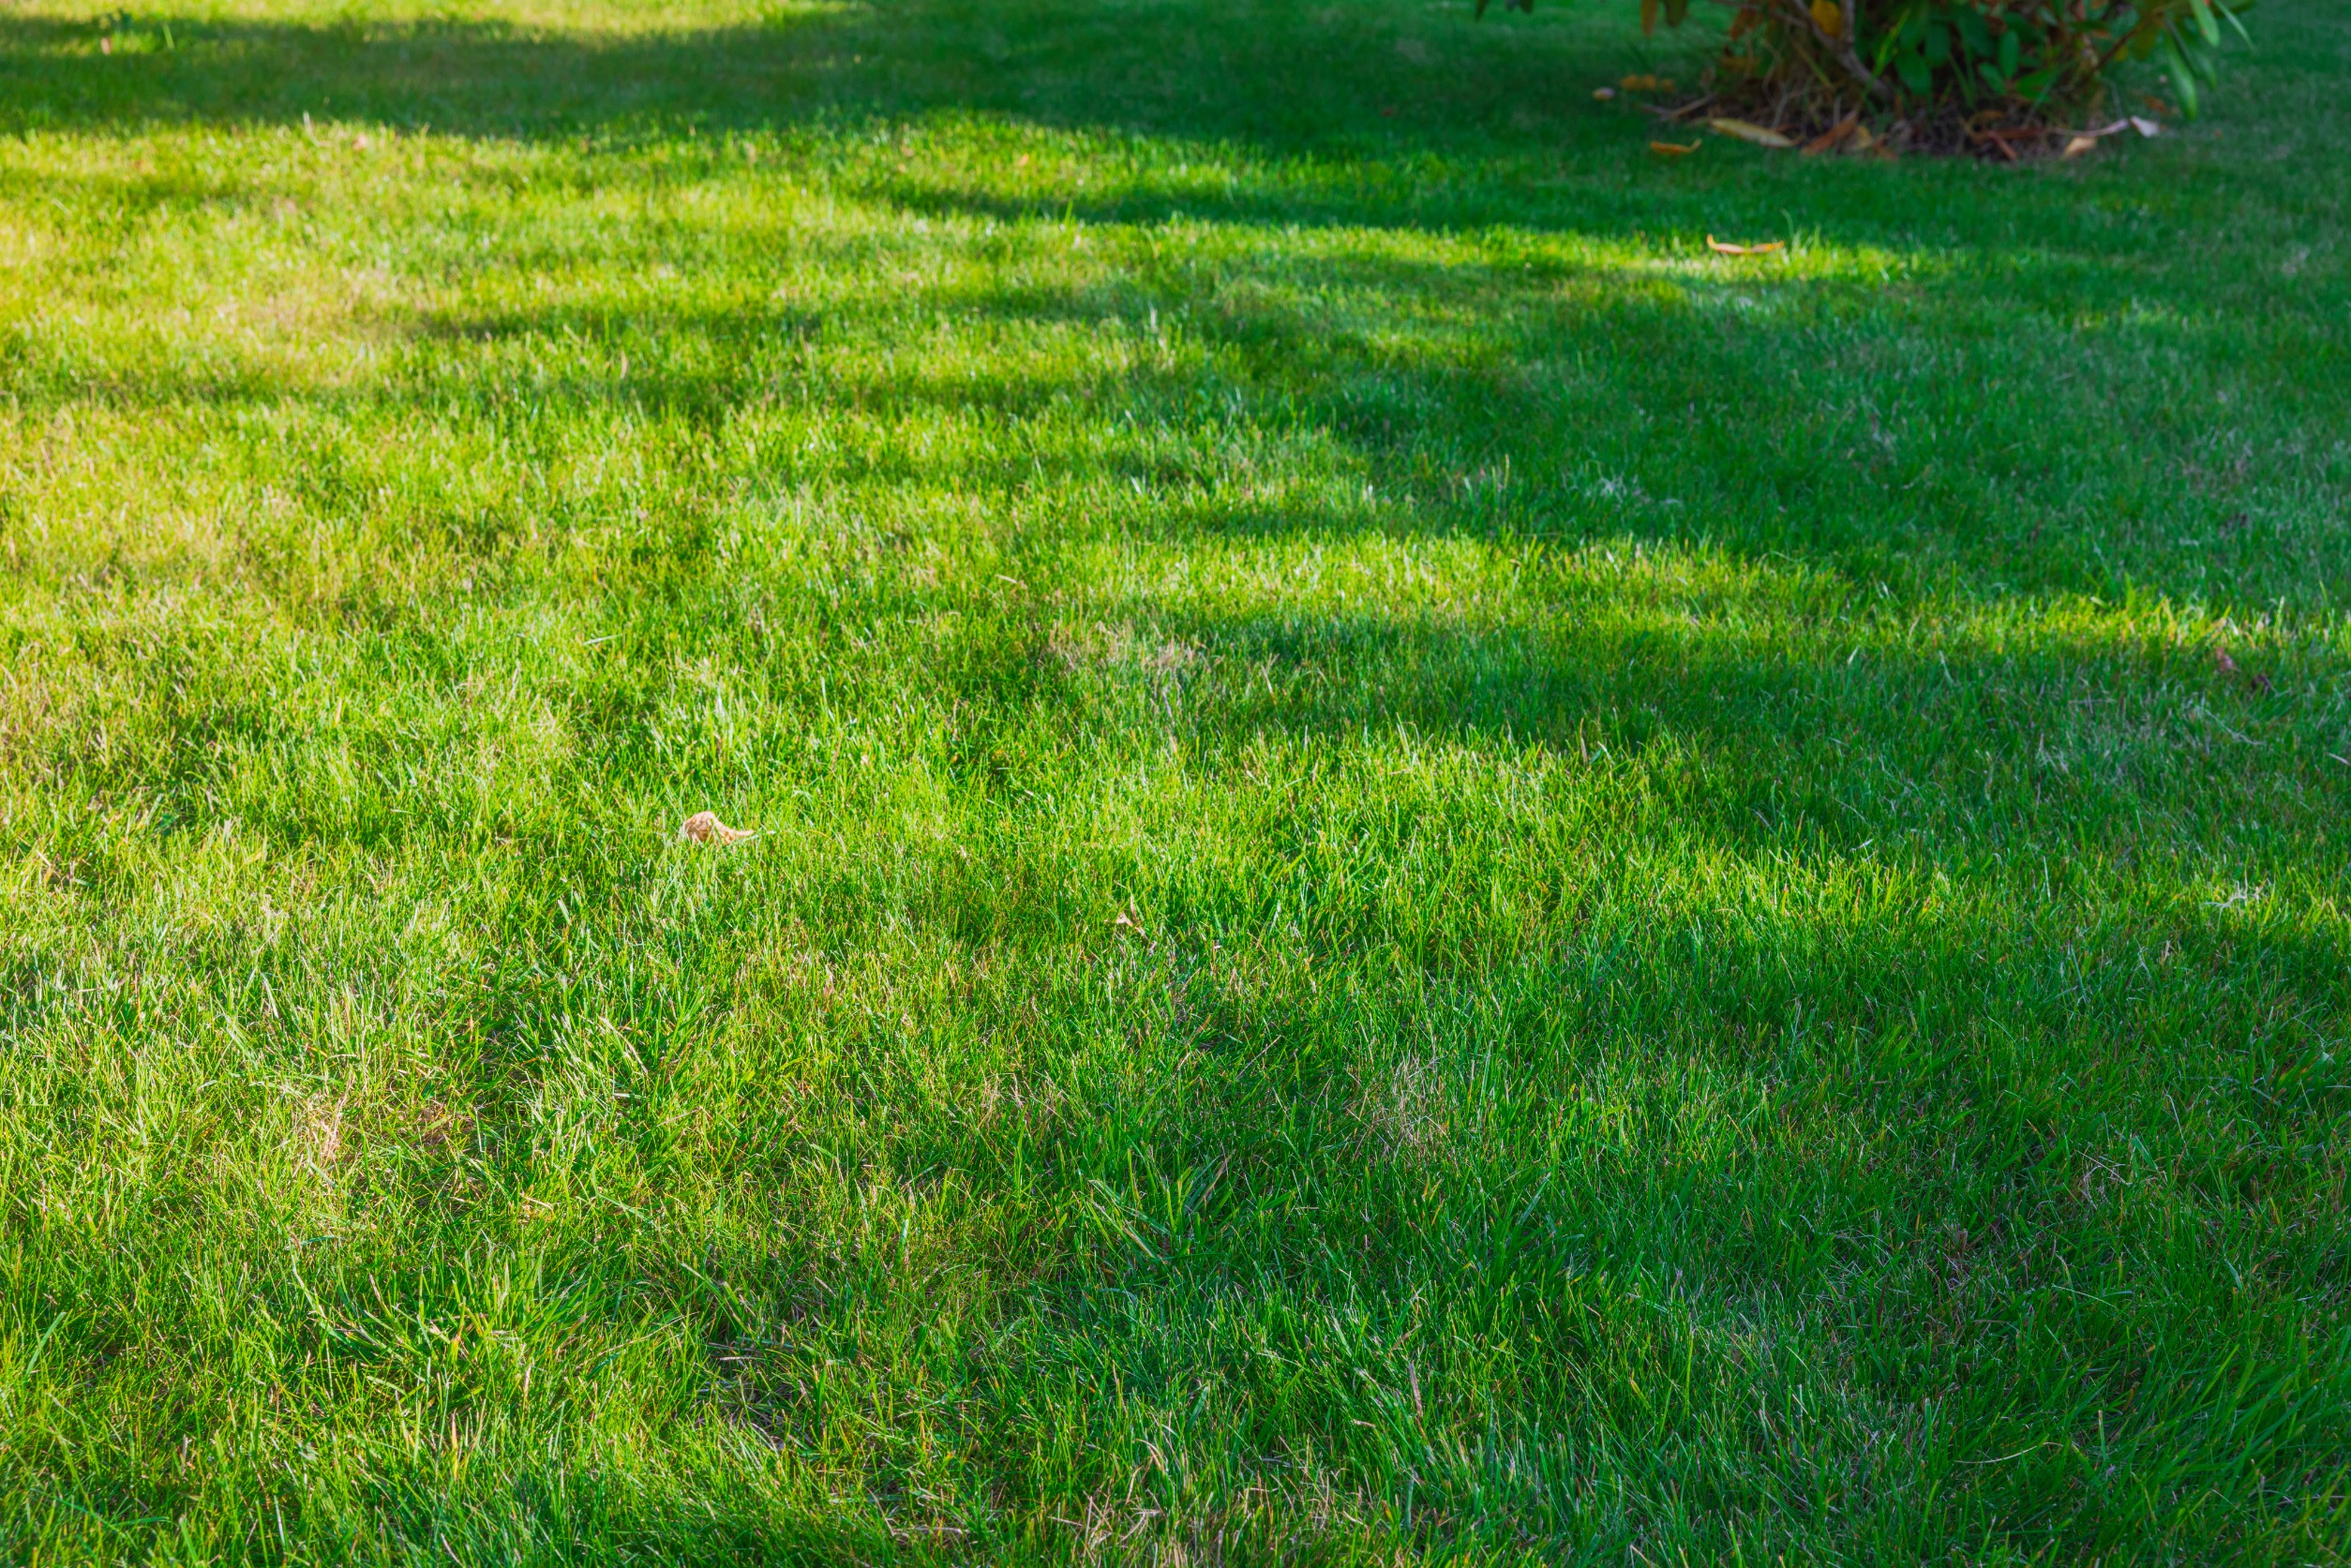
(1437, 876)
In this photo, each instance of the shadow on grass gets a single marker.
(1494, 387)
(1895, 418)
(1283, 1159)
(1519, 409)
(1236, 71)
(1881, 1136)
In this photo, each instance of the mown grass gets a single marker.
(1437, 876)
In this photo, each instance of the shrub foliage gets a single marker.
(1940, 61)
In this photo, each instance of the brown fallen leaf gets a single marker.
(2259, 681)
(1674, 149)
(1860, 141)
(1604, 94)
(2227, 664)
(2076, 147)
(1127, 921)
(1828, 139)
(1746, 131)
(1723, 247)
(2005, 142)
(704, 828)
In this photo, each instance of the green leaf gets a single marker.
(1916, 74)
(2206, 23)
(2037, 85)
(2183, 77)
(1676, 12)
(2010, 45)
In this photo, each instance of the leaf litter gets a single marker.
(704, 828)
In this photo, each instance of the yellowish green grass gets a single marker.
(1438, 876)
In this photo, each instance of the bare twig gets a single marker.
(1680, 112)
(1797, 12)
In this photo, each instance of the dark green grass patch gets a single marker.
(1438, 876)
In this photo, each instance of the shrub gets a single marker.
(1951, 63)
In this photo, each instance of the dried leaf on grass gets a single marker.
(1604, 94)
(1723, 247)
(2084, 140)
(1746, 131)
(1674, 149)
(1827, 140)
(1863, 140)
(704, 828)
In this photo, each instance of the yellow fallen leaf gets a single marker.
(704, 828)
(1604, 94)
(1747, 131)
(1863, 140)
(2077, 145)
(1672, 149)
(1829, 17)
(1723, 247)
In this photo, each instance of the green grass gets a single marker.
(1438, 877)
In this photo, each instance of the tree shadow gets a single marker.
(1820, 433)
(1267, 1151)
(1486, 350)
(1474, 387)
(1819, 734)
(1227, 71)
